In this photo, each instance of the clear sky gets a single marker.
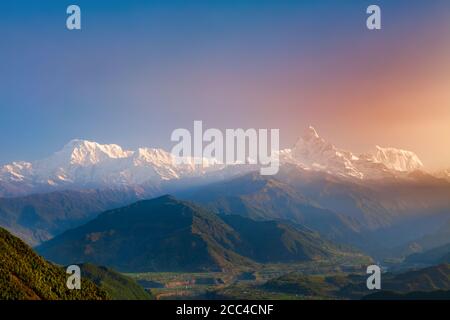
(139, 69)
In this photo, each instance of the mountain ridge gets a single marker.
(83, 163)
(167, 234)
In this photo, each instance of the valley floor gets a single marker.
(244, 283)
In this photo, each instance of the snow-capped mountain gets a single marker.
(88, 163)
(397, 159)
(314, 153)
(81, 164)
(443, 174)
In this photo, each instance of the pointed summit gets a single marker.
(309, 133)
(314, 152)
(308, 137)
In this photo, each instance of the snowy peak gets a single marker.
(444, 174)
(397, 159)
(310, 148)
(310, 134)
(313, 152)
(83, 163)
(152, 155)
(15, 171)
(84, 152)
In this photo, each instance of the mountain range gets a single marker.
(314, 153)
(82, 164)
(39, 217)
(104, 205)
(172, 235)
(374, 216)
(435, 255)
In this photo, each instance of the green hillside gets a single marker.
(267, 198)
(435, 239)
(275, 241)
(166, 234)
(118, 286)
(436, 255)
(25, 275)
(375, 216)
(353, 286)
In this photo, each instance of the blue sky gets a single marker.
(139, 69)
